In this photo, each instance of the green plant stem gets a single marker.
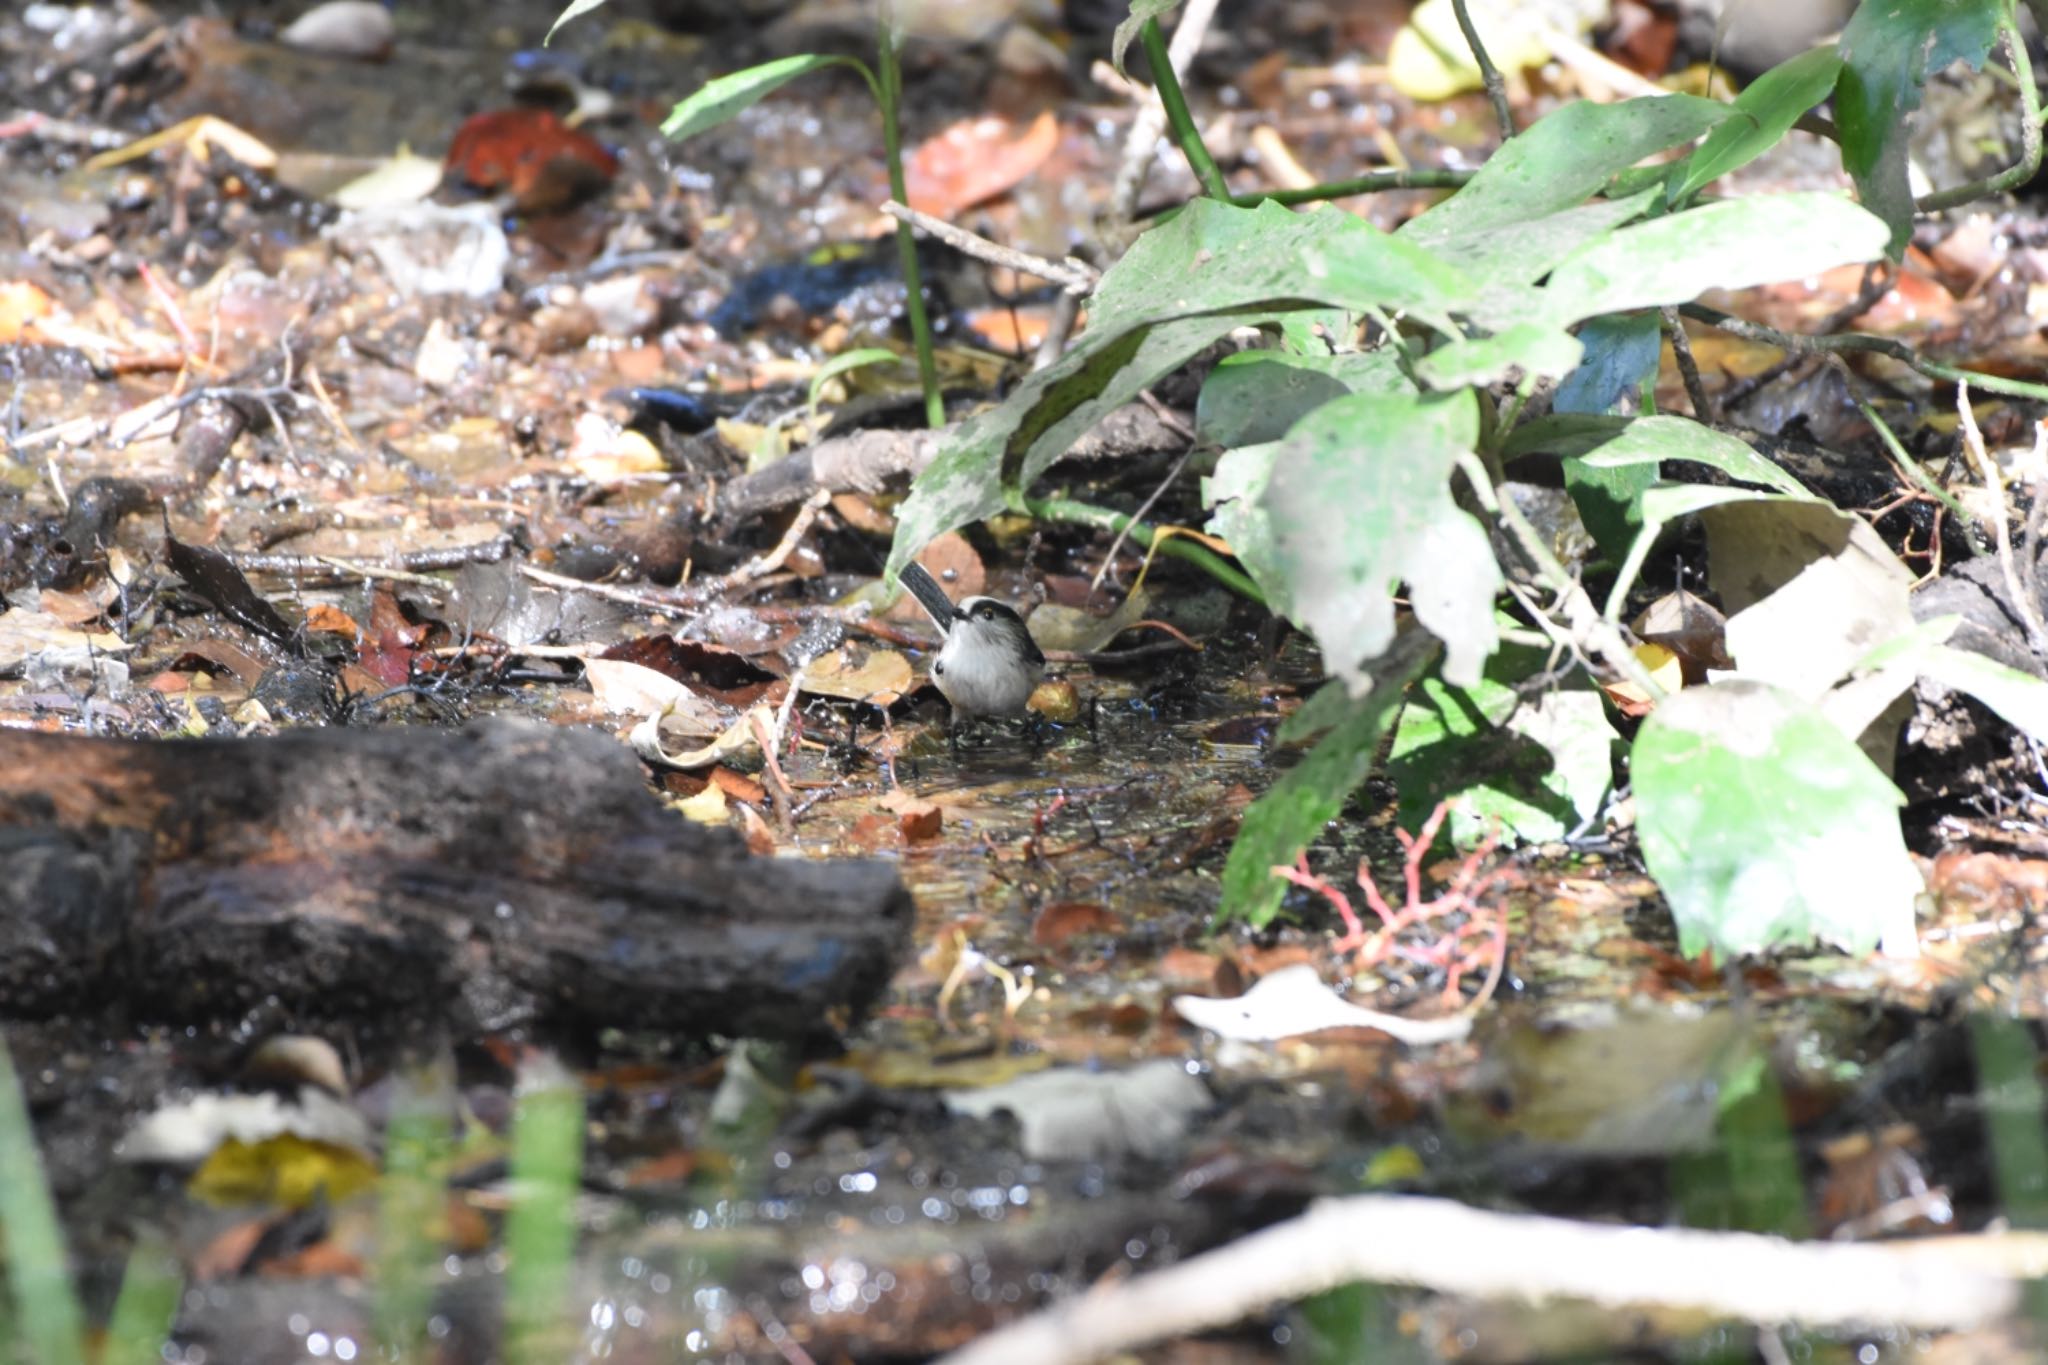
(889, 92)
(1911, 470)
(1194, 552)
(1176, 106)
(1496, 87)
(2030, 139)
(1372, 182)
(46, 1308)
(1862, 341)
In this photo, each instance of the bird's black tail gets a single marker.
(929, 595)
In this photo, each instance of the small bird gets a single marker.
(988, 665)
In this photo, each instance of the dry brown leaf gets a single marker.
(974, 160)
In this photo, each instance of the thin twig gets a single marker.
(1496, 86)
(1073, 275)
(1862, 341)
(2000, 516)
(1688, 368)
(407, 566)
(768, 735)
(1878, 279)
(1123, 532)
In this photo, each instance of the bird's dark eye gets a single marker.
(987, 613)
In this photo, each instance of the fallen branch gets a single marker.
(1936, 1284)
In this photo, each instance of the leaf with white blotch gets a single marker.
(1765, 826)
(1360, 501)
(1180, 287)
(718, 100)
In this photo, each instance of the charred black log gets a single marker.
(491, 874)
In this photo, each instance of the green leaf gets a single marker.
(1360, 501)
(1539, 767)
(1729, 245)
(1649, 440)
(1764, 825)
(1889, 51)
(1770, 106)
(1181, 286)
(1557, 163)
(722, 99)
(1141, 10)
(575, 7)
(1255, 396)
(1294, 810)
(1526, 349)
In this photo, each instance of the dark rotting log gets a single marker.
(499, 872)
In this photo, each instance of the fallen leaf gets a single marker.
(919, 820)
(974, 160)
(1059, 923)
(21, 303)
(858, 673)
(1295, 1001)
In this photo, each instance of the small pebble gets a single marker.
(344, 28)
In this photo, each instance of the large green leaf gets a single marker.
(1360, 501)
(1557, 163)
(1764, 825)
(1889, 51)
(1729, 245)
(1179, 288)
(718, 100)
(1539, 766)
(1768, 108)
(1294, 810)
